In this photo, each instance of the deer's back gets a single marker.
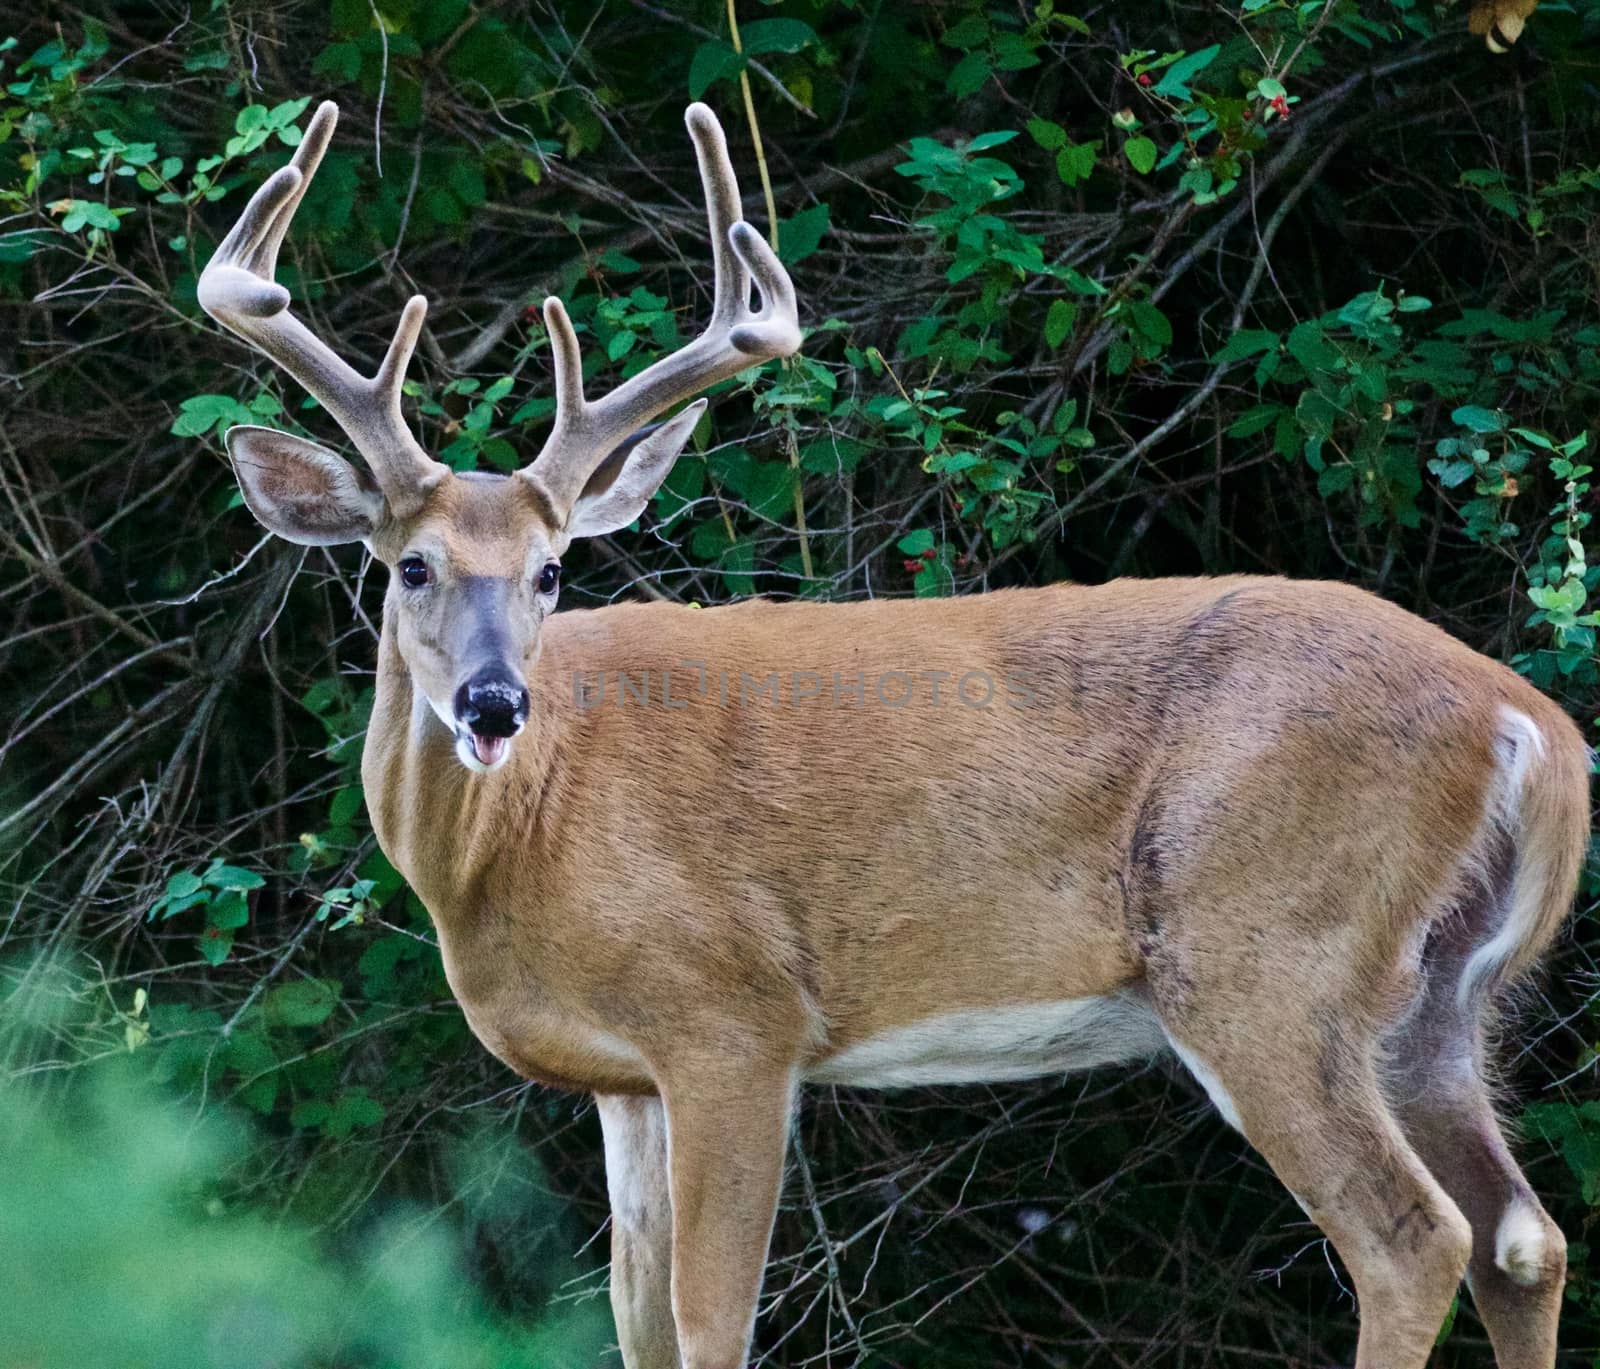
(769, 795)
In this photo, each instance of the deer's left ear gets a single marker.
(620, 488)
(301, 491)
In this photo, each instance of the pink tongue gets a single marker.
(488, 750)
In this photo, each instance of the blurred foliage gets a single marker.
(1144, 288)
(122, 1248)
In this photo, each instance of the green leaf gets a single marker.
(1247, 342)
(302, 1002)
(171, 906)
(1174, 81)
(1014, 52)
(1309, 345)
(915, 543)
(1141, 154)
(1255, 420)
(934, 580)
(19, 246)
(215, 943)
(313, 1112)
(346, 804)
(776, 35)
(735, 565)
(969, 74)
(1452, 473)
(984, 141)
(284, 114)
(966, 33)
(798, 237)
(353, 1108)
(1336, 479)
(183, 884)
(769, 489)
(221, 876)
(1075, 162)
(712, 62)
(1049, 136)
(1477, 419)
(228, 911)
(250, 1053)
(90, 212)
(1059, 322)
(200, 414)
(465, 179)
(342, 61)
(1150, 322)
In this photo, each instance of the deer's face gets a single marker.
(472, 578)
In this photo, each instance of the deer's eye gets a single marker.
(549, 578)
(413, 572)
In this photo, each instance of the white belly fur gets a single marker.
(988, 1045)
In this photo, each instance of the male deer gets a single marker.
(1291, 833)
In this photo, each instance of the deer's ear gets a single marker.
(301, 491)
(606, 505)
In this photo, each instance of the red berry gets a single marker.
(913, 566)
(928, 554)
(1144, 78)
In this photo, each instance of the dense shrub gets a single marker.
(1127, 289)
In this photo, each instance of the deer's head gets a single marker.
(475, 559)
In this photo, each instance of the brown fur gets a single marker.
(1245, 798)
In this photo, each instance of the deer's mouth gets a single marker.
(482, 752)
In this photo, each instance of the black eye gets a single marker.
(549, 578)
(413, 572)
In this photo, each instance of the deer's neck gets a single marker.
(444, 827)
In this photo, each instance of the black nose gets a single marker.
(492, 703)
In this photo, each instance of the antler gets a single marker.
(237, 289)
(737, 336)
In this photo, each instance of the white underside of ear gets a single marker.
(640, 477)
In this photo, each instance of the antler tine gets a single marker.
(238, 290)
(736, 337)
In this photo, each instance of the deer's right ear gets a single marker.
(301, 491)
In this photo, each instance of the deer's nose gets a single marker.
(493, 703)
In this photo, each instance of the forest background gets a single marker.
(1145, 288)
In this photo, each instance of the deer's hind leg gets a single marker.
(1434, 1077)
(1519, 1256)
(1291, 1059)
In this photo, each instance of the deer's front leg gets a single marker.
(635, 1132)
(728, 1131)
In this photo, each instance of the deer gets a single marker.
(1283, 832)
